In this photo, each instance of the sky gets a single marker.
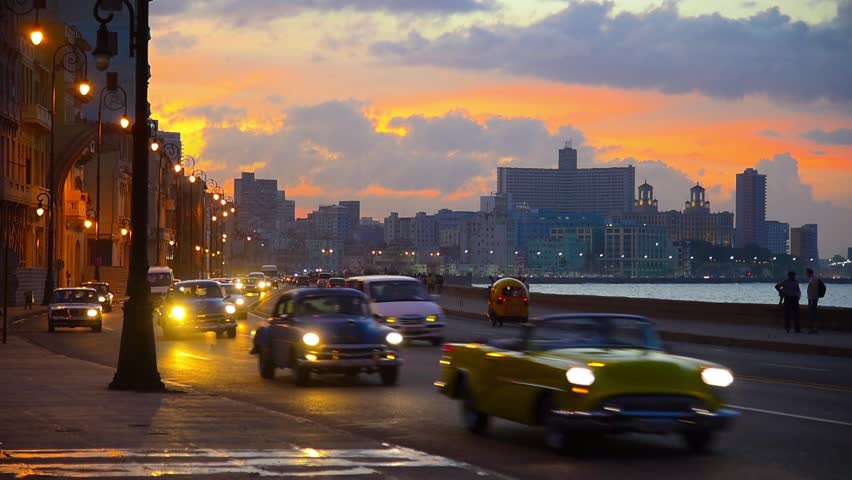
(410, 105)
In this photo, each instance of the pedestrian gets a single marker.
(816, 289)
(67, 278)
(440, 283)
(430, 283)
(28, 300)
(790, 289)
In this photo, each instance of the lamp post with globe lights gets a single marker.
(137, 358)
(72, 59)
(114, 98)
(24, 7)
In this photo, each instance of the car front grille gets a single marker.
(412, 321)
(345, 352)
(656, 403)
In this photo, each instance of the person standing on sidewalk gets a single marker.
(813, 299)
(789, 288)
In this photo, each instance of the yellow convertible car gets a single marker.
(585, 373)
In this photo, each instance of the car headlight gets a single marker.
(178, 313)
(432, 318)
(261, 284)
(230, 309)
(311, 339)
(717, 377)
(390, 319)
(102, 299)
(92, 312)
(241, 301)
(394, 338)
(580, 376)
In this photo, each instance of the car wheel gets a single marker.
(555, 436)
(265, 365)
(232, 332)
(698, 441)
(390, 375)
(50, 328)
(302, 376)
(437, 341)
(98, 328)
(474, 420)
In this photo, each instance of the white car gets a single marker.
(403, 304)
(75, 307)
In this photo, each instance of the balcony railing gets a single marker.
(36, 115)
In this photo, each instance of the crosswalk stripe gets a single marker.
(296, 462)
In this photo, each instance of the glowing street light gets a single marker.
(84, 87)
(155, 145)
(178, 168)
(124, 122)
(36, 35)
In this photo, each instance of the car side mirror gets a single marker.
(281, 319)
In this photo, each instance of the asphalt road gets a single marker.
(796, 409)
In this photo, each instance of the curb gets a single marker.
(686, 337)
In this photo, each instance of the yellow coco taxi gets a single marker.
(583, 373)
(508, 300)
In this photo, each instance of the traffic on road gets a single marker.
(574, 379)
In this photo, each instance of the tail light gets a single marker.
(448, 347)
(526, 300)
(499, 300)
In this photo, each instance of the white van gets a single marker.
(403, 304)
(160, 279)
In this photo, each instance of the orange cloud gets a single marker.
(379, 191)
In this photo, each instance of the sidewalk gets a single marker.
(58, 419)
(690, 331)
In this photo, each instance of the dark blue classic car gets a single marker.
(197, 306)
(326, 330)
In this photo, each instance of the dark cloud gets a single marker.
(241, 13)
(658, 49)
(841, 136)
(173, 42)
(770, 133)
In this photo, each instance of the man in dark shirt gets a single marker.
(789, 288)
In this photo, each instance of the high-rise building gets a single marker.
(568, 188)
(777, 237)
(804, 242)
(353, 209)
(751, 209)
(263, 213)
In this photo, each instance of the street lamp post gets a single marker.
(137, 357)
(114, 98)
(193, 177)
(73, 60)
(170, 152)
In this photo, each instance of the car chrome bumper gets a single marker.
(74, 321)
(414, 332)
(350, 363)
(646, 421)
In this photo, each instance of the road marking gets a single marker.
(110, 329)
(792, 415)
(295, 462)
(821, 386)
(796, 367)
(189, 355)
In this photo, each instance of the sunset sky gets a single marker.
(409, 105)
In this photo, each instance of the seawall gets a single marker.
(830, 318)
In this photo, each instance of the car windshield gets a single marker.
(398, 291)
(513, 292)
(337, 282)
(595, 332)
(250, 281)
(199, 290)
(100, 288)
(74, 296)
(330, 304)
(159, 279)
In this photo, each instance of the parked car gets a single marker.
(75, 307)
(403, 304)
(105, 296)
(197, 306)
(583, 373)
(326, 330)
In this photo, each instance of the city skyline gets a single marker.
(386, 118)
